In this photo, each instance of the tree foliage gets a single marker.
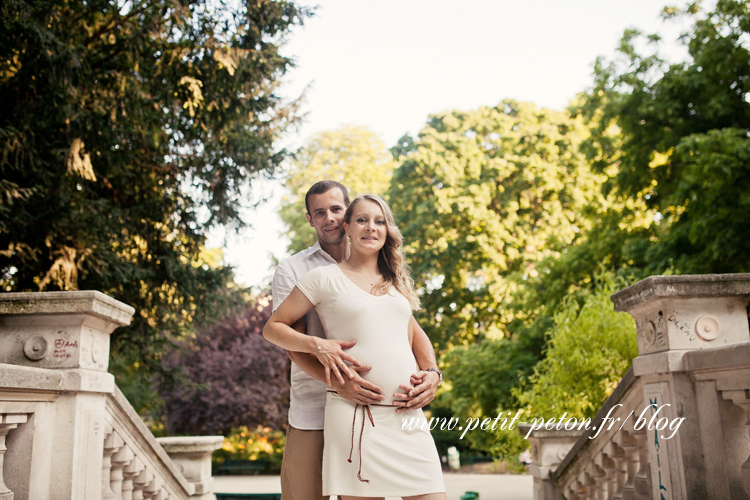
(678, 137)
(128, 130)
(230, 377)
(589, 350)
(484, 196)
(482, 376)
(354, 156)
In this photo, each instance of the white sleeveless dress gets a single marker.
(366, 452)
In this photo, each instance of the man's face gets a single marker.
(327, 215)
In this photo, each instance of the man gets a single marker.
(301, 468)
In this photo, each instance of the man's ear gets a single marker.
(309, 220)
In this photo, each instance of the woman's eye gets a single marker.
(361, 220)
(380, 222)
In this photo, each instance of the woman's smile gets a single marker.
(368, 225)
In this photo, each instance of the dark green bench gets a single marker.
(241, 467)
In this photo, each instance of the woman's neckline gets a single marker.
(338, 266)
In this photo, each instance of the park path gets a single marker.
(489, 486)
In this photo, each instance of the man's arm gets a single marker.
(356, 389)
(424, 384)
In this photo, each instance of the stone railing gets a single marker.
(66, 431)
(683, 407)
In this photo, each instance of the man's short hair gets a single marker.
(321, 187)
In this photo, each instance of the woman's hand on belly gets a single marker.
(331, 355)
(419, 393)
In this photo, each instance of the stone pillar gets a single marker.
(548, 449)
(67, 335)
(192, 455)
(676, 317)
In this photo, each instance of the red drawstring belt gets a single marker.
(361, 433)
(365, 410)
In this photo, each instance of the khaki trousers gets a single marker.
(302, 465)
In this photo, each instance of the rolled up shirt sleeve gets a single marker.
(283, 284)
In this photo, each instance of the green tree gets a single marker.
(352, 155)
(128, 130)
(482, 376)
(677, 136)
(483, 197)
(590, 348)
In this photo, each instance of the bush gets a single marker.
(230, 377)
(590, 349)
(263, 443)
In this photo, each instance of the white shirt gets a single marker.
(307, 396)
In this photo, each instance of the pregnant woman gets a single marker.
(369, 299)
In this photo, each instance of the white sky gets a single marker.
(388, 64)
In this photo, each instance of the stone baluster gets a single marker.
(122, 457)
(607, 465)
(111, 476)
(602, 482)
(642, 481)
(548, 449)
(8, 422)
(630, 448)
(132, 470)
(597, 481)
(192, 455)
(574, 493)
(140, 483)
(742, 399)
(619, 468)
(151, 490)
(570, 492)
(584, 490)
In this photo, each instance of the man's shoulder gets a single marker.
(300, 263)
(297, 264)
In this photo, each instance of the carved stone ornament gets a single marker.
(649, 333)
(707, 327)
(35, 348)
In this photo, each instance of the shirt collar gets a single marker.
(317, 248)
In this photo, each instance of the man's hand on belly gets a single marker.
(358, 390)
(420, 393)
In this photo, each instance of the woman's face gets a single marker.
(368, 227)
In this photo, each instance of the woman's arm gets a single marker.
(424, 384)
(279, 331)
(356, 390)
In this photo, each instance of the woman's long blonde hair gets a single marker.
(391, 263)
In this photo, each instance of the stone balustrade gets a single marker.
(66, 430)
(686, 399)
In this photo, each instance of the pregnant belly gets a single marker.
(390, 368)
